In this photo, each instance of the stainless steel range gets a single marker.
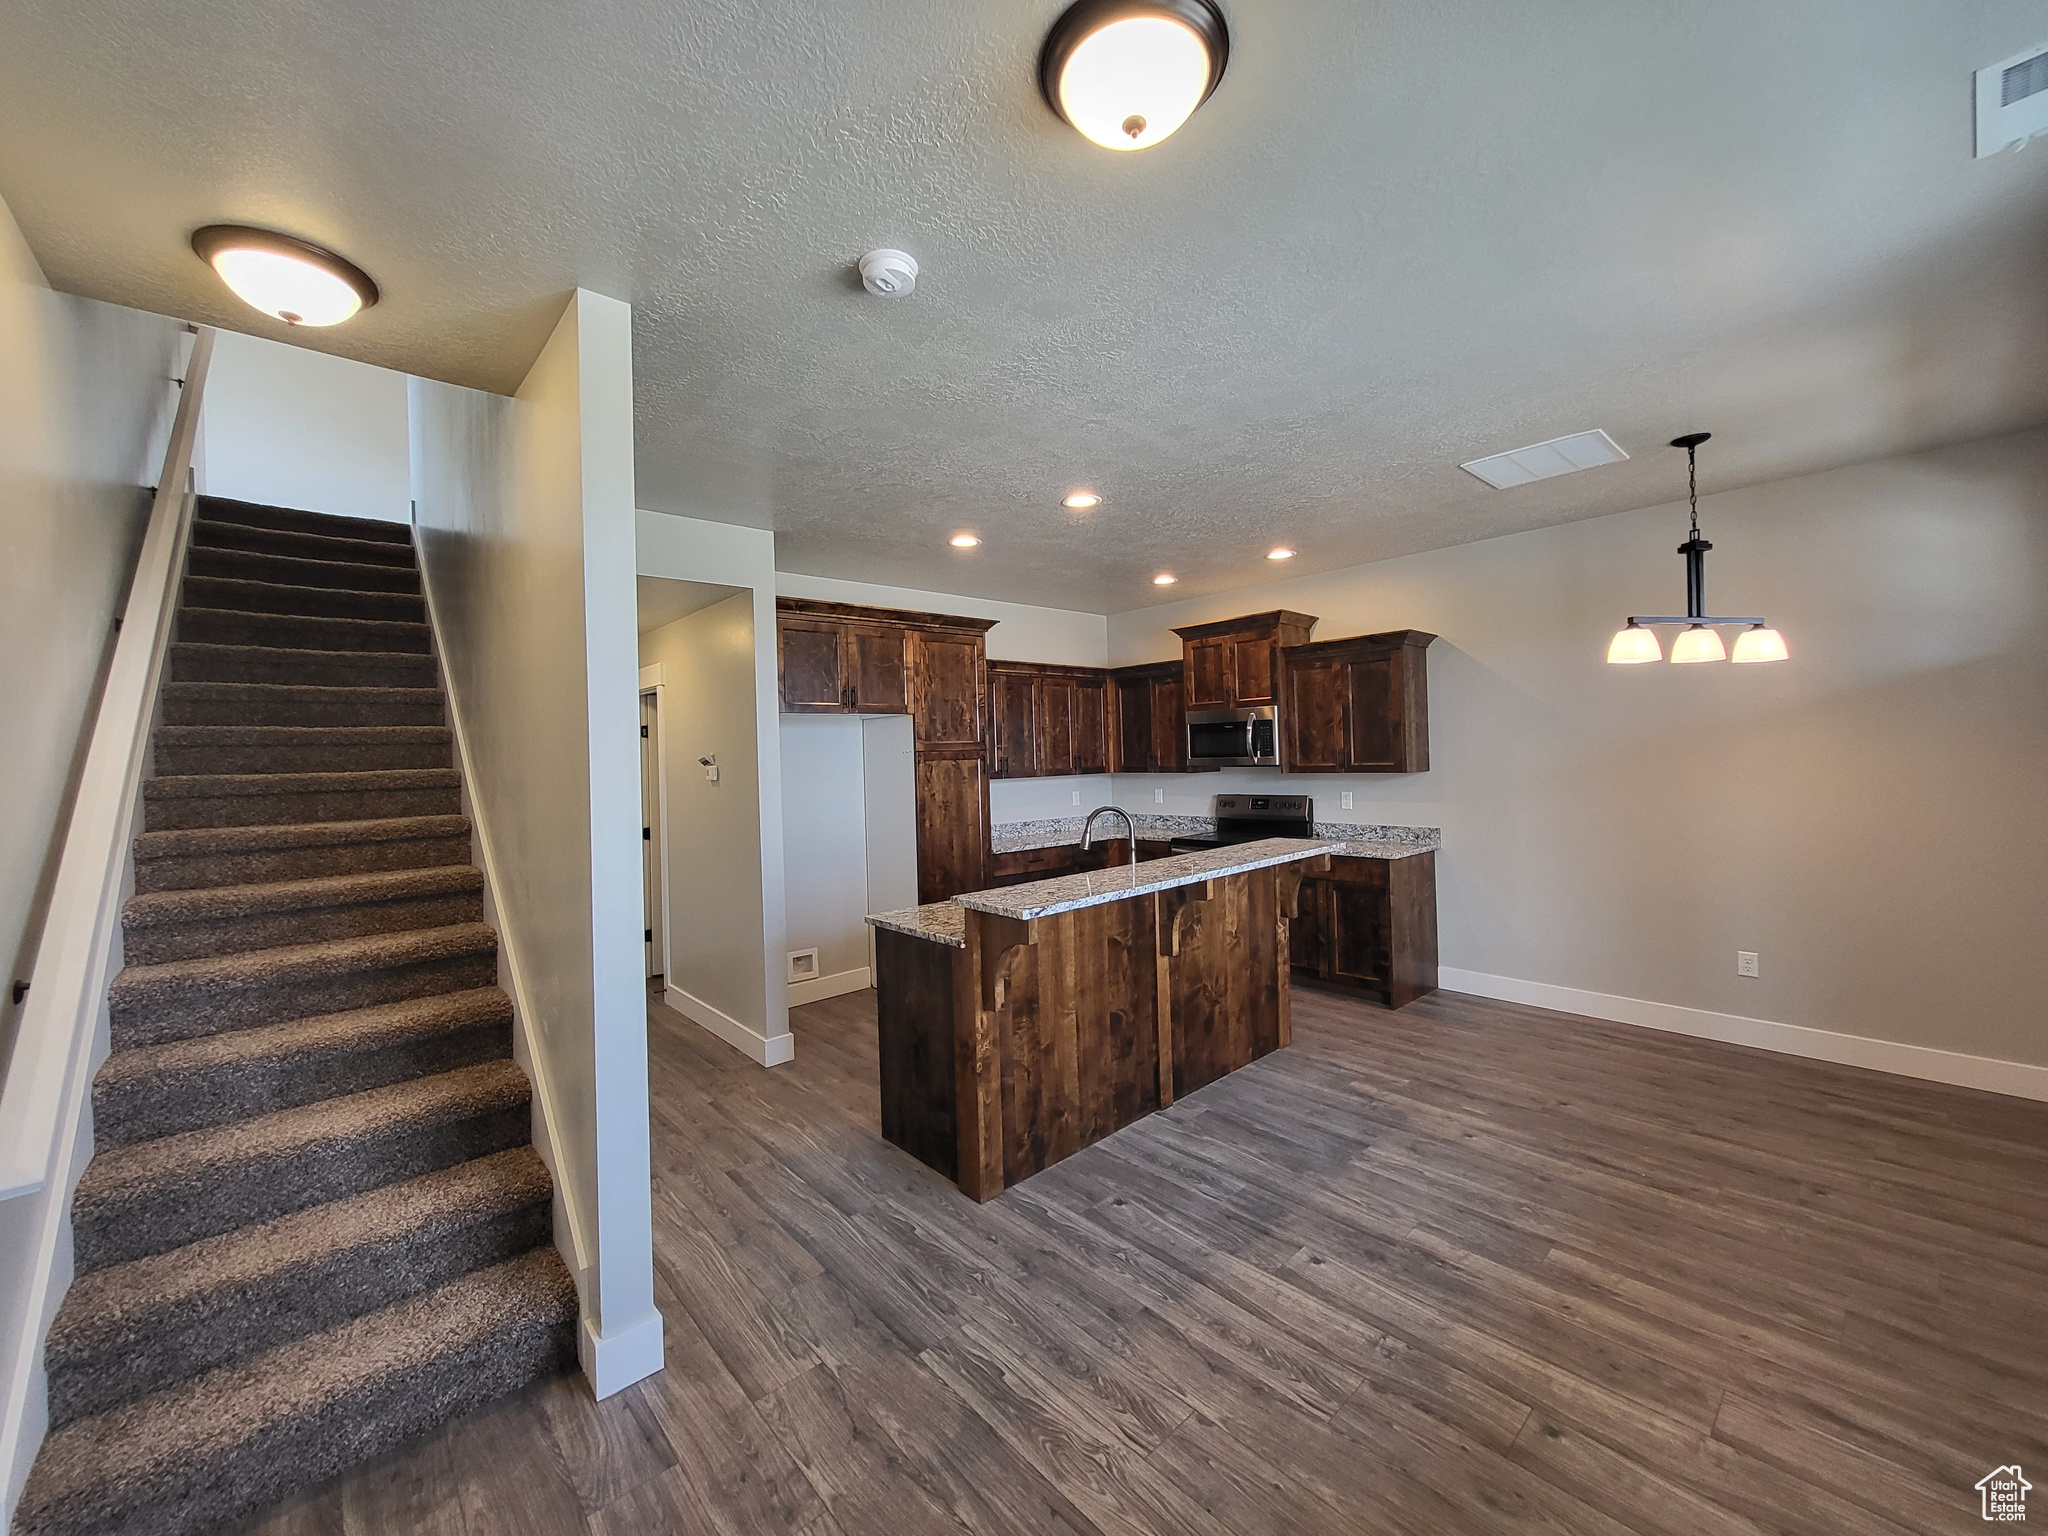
(1248, 818)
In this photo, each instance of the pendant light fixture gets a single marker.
(290, 279)
(1127, 73)
(1700, 640)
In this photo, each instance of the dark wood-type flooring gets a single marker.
(1468, 1267)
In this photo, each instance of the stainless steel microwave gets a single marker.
(1234, 738)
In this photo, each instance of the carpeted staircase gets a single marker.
(313, 1226)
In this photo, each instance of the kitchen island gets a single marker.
(1019, 1025)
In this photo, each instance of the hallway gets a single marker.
(1513, 1271)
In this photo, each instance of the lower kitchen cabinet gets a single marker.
(1369, 926)
(1029, 864)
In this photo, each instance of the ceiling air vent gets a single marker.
(1539, 461)
(2012, 101)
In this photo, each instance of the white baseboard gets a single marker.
(2018, 1078)
(615, 1361)
(768, 1050)
(818, 988)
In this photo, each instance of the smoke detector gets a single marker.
(888, 274)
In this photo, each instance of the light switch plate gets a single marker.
(1159, 797)
(1077, 797)
(1745, 962)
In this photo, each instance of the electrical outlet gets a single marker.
(1745, 962)
(1346, 801)
(1159, 797)
(1077, 797)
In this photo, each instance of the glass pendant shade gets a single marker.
(287, 278)
(1127, 73)
(1698, 643)
(1633, 645)
(1760, 643)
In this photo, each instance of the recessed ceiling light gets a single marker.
(963, 541)
(1127, 73)
(293, 280)
(1279, 554)
(1164, 580)
(1081, 501)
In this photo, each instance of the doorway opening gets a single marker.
(653, 830)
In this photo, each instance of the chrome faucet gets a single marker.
(1088, 829)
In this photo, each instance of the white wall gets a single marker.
(1048, 799)
(889, 813)
(824, 840)
(85, 408)
(1871, 817)
(526, 549)
(749, 961)
(289, 427)
(85, 405)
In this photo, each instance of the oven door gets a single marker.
(1219, 738)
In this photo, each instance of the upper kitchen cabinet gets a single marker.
(1235, 663)
(948, 680)
(1045, 721)
(1148, 718)
(1357, 706)
(840, 659)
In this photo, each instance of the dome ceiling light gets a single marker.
(1127, 73)
(1081, 501)
(287, 278)
(1700, 640)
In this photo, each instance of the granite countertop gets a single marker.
(1065, 831)
(942, 922)
(1069, 893)
(945, 922)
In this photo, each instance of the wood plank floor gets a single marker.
(1465, 1268)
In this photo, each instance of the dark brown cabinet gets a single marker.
(1369, 926)
(1027, 865)
(1358, 705)
(832, 667)
(840, 659)
(1149, 715)
(1046, 721)
(1236, 663)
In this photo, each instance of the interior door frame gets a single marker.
(651, 683)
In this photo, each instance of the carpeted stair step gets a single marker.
(158, 1195)
(179, 999)
(339, 550)
(256, 514)
(214, 749)
(188, 1085)
(283, 570)
(305, 602)
(195, 663)
(219, 626)
(181, 801)
(276, 704)
(188, 858)
(159, 926)
(225, 1444)
(139, 1327)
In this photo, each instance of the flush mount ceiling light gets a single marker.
(963, 541)
(1279, 554)
(1127, 73)
(1164, 580)
(1700, 640)
(1081, 501)
(290, 279)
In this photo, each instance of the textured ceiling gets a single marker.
(662, 599)
(1398, 236)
